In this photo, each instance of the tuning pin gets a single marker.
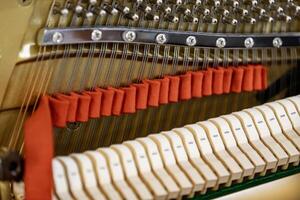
(190, 2)
(258, 10)
(159, 2)
(152, 17)
(210, 20)
(266, 18)
(121, 8)
(222, 11)
(78, 9)
(168, 10)
(269, 2)
(181, 9)
(111, 10)
(229, 20)
(171, 18)
(64, 12)
(188, 18)
(89, 15)
(132, 16)
(215, 3)
(285, 18)
(248, 19)
(178, 2)
(93, 2)
(202, 11)
(241, 11)
(232, 3)
(250, 2)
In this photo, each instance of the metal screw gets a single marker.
(277, 42)
(191, 41)
(161, 38)
(57, 37)
(221, 42)
(129, 36)
(249, 42)
(96, 35)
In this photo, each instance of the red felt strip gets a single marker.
(107, 101)
(227, 79)
(38, 150)
(73, 103)
(129, 105)
(173, 88)
(164, 90)
(218, 79)
(154, 92)
(207, 82)
(248, 78)
(118, 101)
(185, 90)
(197, 78)
(264, 77)
(95, 104)
(59, 111)
(141, 95)
(84, 100)
(257, 77)
(237, 79)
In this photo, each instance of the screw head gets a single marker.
(221, 42)
(191, 41)
(96, 35)
(277, 42)
(161, 38)
(57, 37)
(129, 36)
(249, 42)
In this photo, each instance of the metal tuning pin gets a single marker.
(171, 18)
(121, 8)
(241, 11)
(266, 18)
(248, 19)
(229, 20)
(258, 10)
(285, 18)
(64, 12)
(78, 9)
(222, 11)
(132, 16)
(109, 9)
(210, 20)
(232, 3)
